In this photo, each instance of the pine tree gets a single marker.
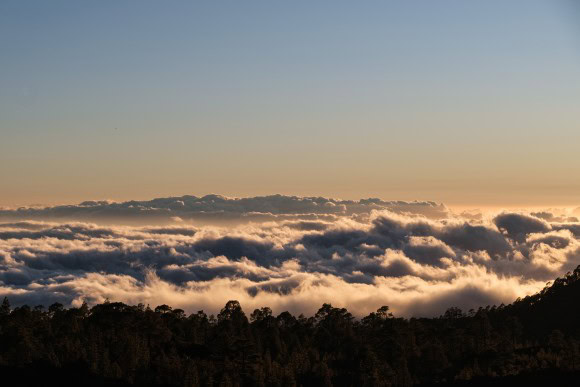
(5, 307)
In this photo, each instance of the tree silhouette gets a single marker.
(535, 340)
(5, 307)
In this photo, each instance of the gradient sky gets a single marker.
(467, 103)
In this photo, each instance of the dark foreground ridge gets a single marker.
(535, 340)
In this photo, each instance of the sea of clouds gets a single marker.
(289, 253)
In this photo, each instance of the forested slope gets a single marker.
(536, 339)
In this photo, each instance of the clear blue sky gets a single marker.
(457, 101)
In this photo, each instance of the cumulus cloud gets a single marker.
(550, 217)
(517, 226)
(417, 263)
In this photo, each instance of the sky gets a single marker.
(466, 103)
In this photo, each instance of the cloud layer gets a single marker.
(415, 257)
(216, 208)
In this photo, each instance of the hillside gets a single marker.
(535, 339)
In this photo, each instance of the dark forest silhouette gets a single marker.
(534, 340)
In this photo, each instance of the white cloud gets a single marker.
(415, 264)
